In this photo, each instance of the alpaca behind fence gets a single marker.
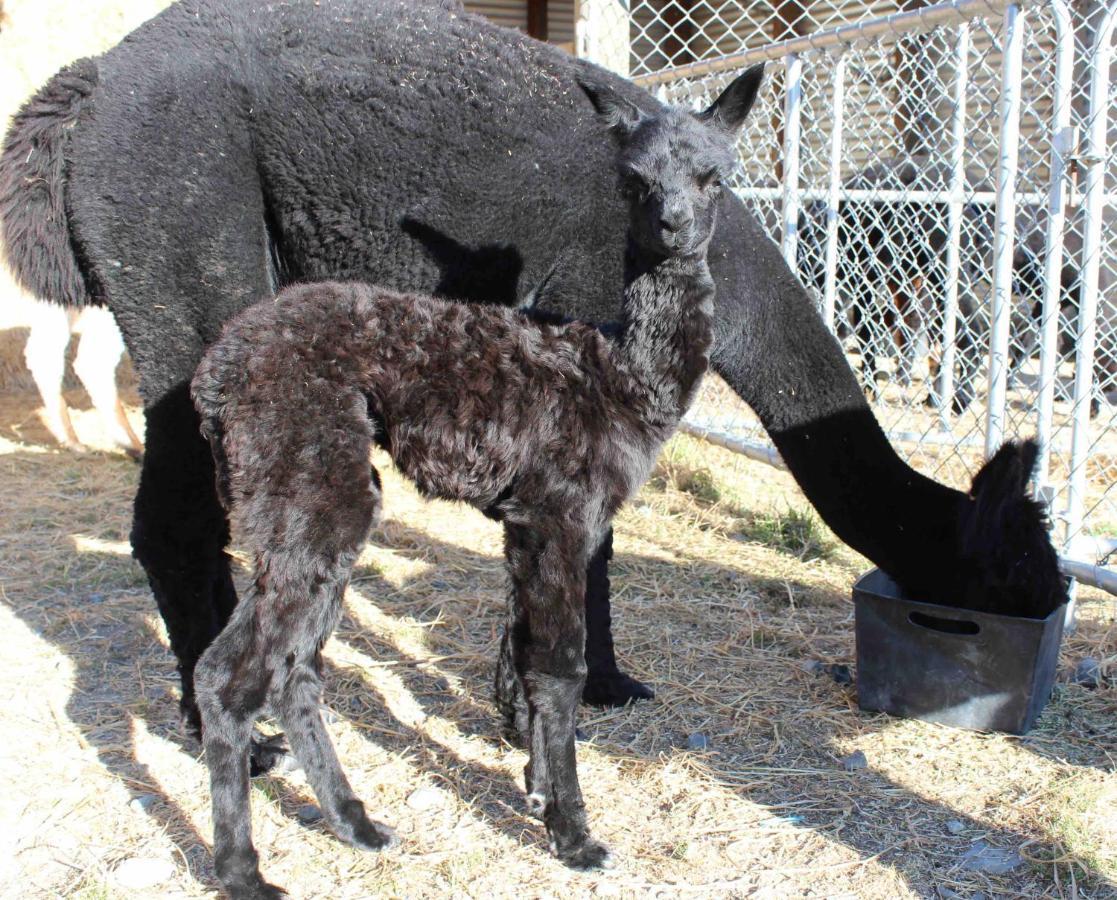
(548, 427)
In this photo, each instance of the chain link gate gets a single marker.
(944, 178)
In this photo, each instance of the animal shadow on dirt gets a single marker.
(776, 746)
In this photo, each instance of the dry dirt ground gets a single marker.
(725, 588)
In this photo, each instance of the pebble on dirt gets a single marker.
(856, 760)
(981, 857)
(140, 872)
(308, 814)
(142, 802)
(697, 741)
(1088, 673)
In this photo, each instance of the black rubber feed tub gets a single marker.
(954, 666)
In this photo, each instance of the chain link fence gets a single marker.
(944, 179)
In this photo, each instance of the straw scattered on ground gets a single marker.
(726, 587)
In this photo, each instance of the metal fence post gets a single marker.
(793, 98)
(1005, 233)
(1093, 242)
(1053, 239)
(830, 284)
(955, 208)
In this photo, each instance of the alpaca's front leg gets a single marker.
(606, 684)
(547, 568)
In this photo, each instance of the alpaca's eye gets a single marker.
(635, 188)
(709, 181)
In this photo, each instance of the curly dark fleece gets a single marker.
(548, 427)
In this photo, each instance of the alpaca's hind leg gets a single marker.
(179, 535)
(299, 704)
(232, 683)
(99, 352)
(548, 571)
(45, 353)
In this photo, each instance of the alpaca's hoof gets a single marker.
(591, 855)
(614, 689)
(259, 890)
(269, 754)
(246, 883)
(190, 721)
(368, 835)
(536, 805)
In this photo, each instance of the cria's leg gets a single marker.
(509, 690)
(606, 684)
(298, 703)
(547, 570)
(293, 465)
(232, 685)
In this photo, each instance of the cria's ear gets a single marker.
(619, 114)
(729, 111)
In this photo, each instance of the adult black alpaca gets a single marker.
(548, 428)
(232, 145)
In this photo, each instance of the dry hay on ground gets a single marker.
(714, 606)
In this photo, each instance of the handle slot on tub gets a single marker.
(945, 626)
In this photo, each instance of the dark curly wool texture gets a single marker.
(227, 147)
(546, 426)
(37, 237)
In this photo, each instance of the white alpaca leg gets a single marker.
(45, 353)
(99, 352)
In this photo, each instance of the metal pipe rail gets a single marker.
(1056, 198)
(917, 196)
(898, 23)
(1083, 572)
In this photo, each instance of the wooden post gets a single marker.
(792, 20)
(537, 19)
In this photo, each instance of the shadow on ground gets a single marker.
(726, 660)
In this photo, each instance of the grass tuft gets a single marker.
(797, 532)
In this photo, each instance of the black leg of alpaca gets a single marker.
(606, 684)
(299, 703)
(179, 534)
(229, 707)
(547, 571)
(269, 652)
(511, 702)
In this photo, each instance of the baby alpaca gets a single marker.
(547, 426)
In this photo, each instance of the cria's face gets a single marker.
(671, 163)
(671, 169)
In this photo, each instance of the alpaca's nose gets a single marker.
(675, 219)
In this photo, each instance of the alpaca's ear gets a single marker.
(1006, 474)
(615, 111)
(729, 111)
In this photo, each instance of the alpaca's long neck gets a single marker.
(665, 338)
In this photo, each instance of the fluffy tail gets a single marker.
(34, 227)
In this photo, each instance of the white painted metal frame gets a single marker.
(1056, 199)
(1095, 156)
(954, 224)
(1004, 237)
